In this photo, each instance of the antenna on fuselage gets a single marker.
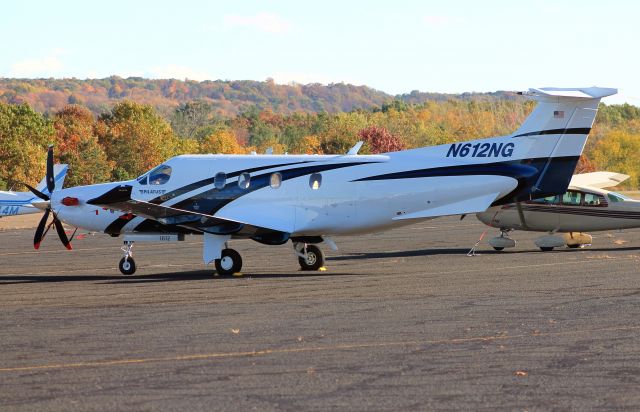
(355, 149)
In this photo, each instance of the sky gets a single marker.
(394, 46)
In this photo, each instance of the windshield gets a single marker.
(617, 197)
(160, 175)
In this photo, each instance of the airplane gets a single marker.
(310, 199)
(585, 207)
(21, 203)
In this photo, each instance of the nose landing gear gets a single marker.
(127, 265)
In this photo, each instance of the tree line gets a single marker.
(131, 138)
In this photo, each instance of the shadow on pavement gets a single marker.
(159, 277)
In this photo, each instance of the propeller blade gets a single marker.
(51, 182)
(61, 232)
(37, 192)
(40, 230)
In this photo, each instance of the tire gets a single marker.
(546, 249)
(574, 246)
(314, 259)
(230, 262)
(498, 248)
(127, 266)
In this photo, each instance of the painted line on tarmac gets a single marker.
(339, 347)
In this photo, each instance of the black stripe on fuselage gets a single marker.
(572, 130)
(525, 171)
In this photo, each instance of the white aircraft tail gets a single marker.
(559, 125)
(59, 173)
(562, 110)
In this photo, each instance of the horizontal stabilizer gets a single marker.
(580, 92)
(473, 205)
(598, 179)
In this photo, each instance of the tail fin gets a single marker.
(59, 174)
(566, 115)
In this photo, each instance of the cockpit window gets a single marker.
(160, 175)
(143, 179)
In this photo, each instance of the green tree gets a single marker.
(24, 136)
(190, 118)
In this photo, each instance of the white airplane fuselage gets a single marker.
(342, 204)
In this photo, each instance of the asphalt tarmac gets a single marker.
(402, 320)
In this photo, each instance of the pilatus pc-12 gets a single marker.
(309, 199)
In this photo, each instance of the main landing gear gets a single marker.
(230, 262)
(310, 257)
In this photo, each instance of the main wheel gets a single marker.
(314, 259)
(229, 263)
(127, 266)
(546, 249)
(575, 246)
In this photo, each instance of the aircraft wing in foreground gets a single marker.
(309, 199)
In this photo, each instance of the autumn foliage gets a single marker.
(127, 138)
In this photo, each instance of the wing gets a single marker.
(598, 179)
(119, 198)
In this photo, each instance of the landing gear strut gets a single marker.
(127, 265)
(310, 257)
(230, 262)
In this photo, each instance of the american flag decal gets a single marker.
(558, 114)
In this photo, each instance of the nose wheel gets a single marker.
(127, 265)
(230, 262)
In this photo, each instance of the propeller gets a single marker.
(43, 228)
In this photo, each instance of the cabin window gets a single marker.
(160, 175)
(592, 199)
(244, 180)
(219, 180)
(550, 200)
(315, 181)
(275, 180)
(572, 198)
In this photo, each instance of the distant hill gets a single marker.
(227, 97)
